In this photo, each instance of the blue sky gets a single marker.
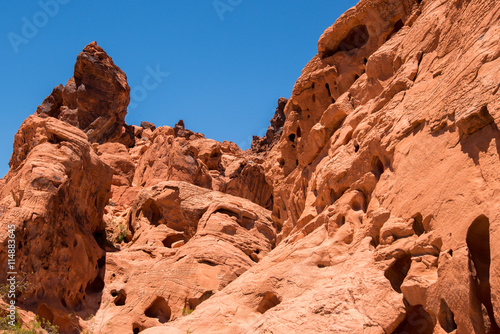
(228, 61)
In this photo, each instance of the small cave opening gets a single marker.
(159, 309)
(120, 297)
(446, 317)
(151, 211)
(299, 132)
(478, 243)
(397, 27)
(341, 221)
(171, 239)
(355, 39)
(417, 320)
(193, 303)
(418, 226)
(228, 212)
(269, 300)
(358, 202)
(296, 108)
(137, 328)
(377, 166)
(396, 273)
(327, 86)
(291, 137)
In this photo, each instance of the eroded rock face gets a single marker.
(170, 154)
(187, 244)
(95, 99)
(386, 163)
(84, 186)
(369, 206)
(273, 133)
(55, 195)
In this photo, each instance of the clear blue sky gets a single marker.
(227, 65)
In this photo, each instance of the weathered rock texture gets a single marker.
(95, 99)
(370, 206)
(273, 133)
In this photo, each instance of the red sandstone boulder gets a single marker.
(95, 99)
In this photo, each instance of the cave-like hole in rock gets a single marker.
(327, 86)
(228, 212)
(397, 272)
(194, 302)
(418, 226)
(299, 132)
(136, 328)
(478, 243)
(171, 239)
(355, 39)
(446, 317)
(120, 297)
(397, 27)
(377, 166)
(291, 137)
(151, 212)
(159, 309)
(357, 203)
(417, 320)
(269, 300)
(340, 220)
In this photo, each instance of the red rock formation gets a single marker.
(55, 195)
(273, 133)
(95, 99)
(369, 206)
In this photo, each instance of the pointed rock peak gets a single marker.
(95, 99)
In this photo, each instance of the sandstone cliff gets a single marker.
(370, 206)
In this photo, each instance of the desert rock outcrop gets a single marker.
(370, 206)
